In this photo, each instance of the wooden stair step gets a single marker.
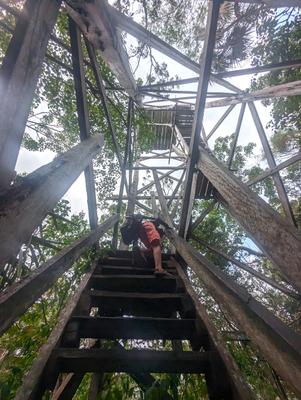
(134, 328)
(137, 304)
(119, 270)
(126, 262)
(130, 361)
(129, 254)
(134, 283)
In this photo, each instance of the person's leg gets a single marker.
(158, 258)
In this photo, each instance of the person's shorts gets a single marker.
(149, 235)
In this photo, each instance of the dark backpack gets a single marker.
(130, 229)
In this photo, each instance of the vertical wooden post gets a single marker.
(19, 75)
(205, 67)
(123, 171)
(83, 115)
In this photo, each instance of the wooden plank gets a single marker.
(94, 21)
(279, 167)
(279, 344)
(236, 134)
(134, 283)
(271, 233)
(220, 121)
(250, 270)
(19, 297)
(25, 205)
(273, 3)
(203, 215)
(283, 90)
(239, 386)
(205, 68)
(116, 270)
(68, 387)
(32, 386)
(19, 75)
(137, 304)
(83, 115)
(283, 197)
(134, 328)
(116, 360)
(161, 195)
(133, 28)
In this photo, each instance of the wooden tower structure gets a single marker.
(117, 298)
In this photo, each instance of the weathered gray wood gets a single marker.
(220, 121)
(203, 215)
(205, 69)
(279, 240)
(94, 21)
(161, 196)
(68, 387)
(32, 384)
(24, 206)
(239, 386)
(19, 297)
(236, 134)
(131, 200)
(83, 115)
(273, 3)
(272, 164)
(19, 75)
(154, 205)
(280, 345)
(283, 90)
(279, 167)
(132, 361)
(250, 270)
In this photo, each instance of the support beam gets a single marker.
(24, 206)
(203, 215)
(236, 134)
(248, 269)
(283, 90)
(123, 170)
(176, 189)
(261, 68)
(83, 115)
(148, 197)
(280, 241)
(32, 387)
(283, 197)
(138, 31)
(228, 74)
(273, 3)
(161, 196)
(149, 185)
(131, 200)
(94, 20)
(211, 28)
(18, 298)
(220, 121)
(239, 386)
(103, 97)
(279, 344)
(279, 167)
(19, 75)
(154, 205)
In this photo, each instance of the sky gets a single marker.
(29, 161)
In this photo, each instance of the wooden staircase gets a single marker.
(125, 301)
